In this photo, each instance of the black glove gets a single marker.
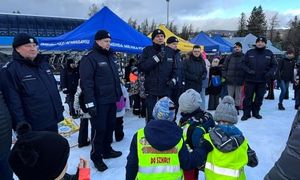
(171, 83)
(252, 158)
(204, 144)
(269, 76)
(92, 111)
(251, 72)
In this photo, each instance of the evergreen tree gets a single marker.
(145, 27)
(273, 25)
(257, 23)
(153, 26)
(293, 36)
(242, 29)
(184, 32)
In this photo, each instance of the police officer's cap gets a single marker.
(22, 39)
(157, 32)
(261, 38)
(102, 34)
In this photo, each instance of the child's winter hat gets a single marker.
(189, 101)
(226, 111)
(164, 109)
(38, 154)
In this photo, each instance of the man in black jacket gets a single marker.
(158, 64)
(69, 83)
(32, 93)
(5, 135)
(100, 85)
(233, 73)
(285, 74)
(194, 70)
(260, 66)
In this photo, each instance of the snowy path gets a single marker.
(266, 136)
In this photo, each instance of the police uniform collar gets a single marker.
(17, 56)
(101, 50)
(158, 46)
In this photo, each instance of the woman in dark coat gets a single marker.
(214, 89)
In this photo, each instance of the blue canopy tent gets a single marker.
(223, 41)
(209, 44)
(124, 37)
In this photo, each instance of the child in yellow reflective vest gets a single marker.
(230, 149)
(194, 122)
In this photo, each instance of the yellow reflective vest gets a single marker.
(155, 164)
(226, 166)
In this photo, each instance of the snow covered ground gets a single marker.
(267, 137)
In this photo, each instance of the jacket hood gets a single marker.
(226, 138)
(162, 135)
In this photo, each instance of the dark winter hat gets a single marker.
(261, 38)
(172, 39)
(226, 111)
(22, 39)
(164, 109)
(156, 32)
(238, 44)
(102, 34)
(189, 101)
(38, 154)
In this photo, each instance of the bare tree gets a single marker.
(93, 9)
(273, 24)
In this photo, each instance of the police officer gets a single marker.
(158, 64)
(69, 83)
(32, 92)
(260, 66)
(101, 88)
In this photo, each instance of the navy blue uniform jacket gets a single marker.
(32, 92)
(99, 79)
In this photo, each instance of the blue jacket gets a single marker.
(157, 74)
(197, 119)
(262, 63)
(163, 135)
(99, 78)
(32, 92)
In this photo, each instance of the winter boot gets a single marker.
(256, 115)
(100, 165)
(245, 117)
(280, 106)
(112, 154)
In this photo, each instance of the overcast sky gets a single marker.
(203, 14)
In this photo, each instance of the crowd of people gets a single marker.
(157, 86)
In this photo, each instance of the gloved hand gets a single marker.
(252, 158)
(251, 72)
(209, 123)
(65, 91)
(77, 112)
(92, 111)
(171, 83)
(204, 144)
